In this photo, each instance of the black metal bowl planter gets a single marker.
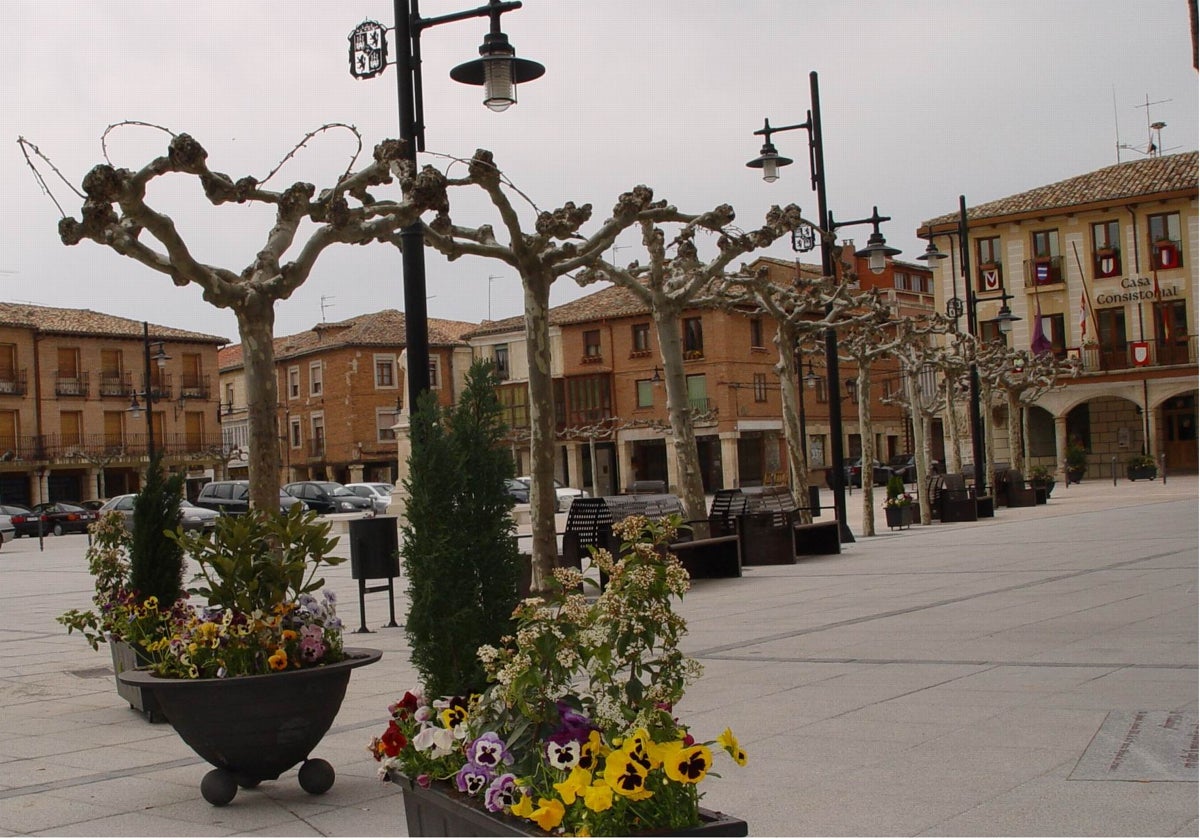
(253, 728)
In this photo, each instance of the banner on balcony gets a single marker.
(1168, 254)
(991, 279)
(1141, 353)
(1041, 272)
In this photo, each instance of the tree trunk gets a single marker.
(256, 328)
(953, 451)
(1016, 449)
(679, 409)
(867, 434)
(543, 501)
(989, 434)
(790, 396)
(920, 455)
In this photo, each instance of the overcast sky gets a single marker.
(920, 100)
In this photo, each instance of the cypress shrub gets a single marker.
(459, 550)
(155, 560)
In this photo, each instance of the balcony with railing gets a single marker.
(13, 383)
(194, 386)
(103, 448)
(1043, 271)
(315, 447)
(1098, 359)
(70, 383)
(116, 384)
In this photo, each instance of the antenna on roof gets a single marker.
(1154, 146)
(323, 299)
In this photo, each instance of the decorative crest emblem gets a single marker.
(804, 238)
(368, 50)
(991, 280)
(1141, 353)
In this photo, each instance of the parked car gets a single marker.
(56, 518)
(565, 494)
(518, 489)
(191, 517)
(13, 510)
(328, 497)
(380, 493)
(234, 497)
(7, 530)
(93, 504)
(853, 468)
(905, 466)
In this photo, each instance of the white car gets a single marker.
(8, 531)
(379, 492)
(191, 517)
(565, 494)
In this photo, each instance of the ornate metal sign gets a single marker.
(804, 238)
(954, 308)
(368, 50)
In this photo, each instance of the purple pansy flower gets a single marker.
(488, 750)
(502, 793)
(473, 779)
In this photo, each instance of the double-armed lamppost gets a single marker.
(497, 69)
(161, 358)
(876, 252)
(954, 309)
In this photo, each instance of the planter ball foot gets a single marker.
(218, 787)
(247, 784)
(316, 776)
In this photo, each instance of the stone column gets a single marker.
(624, 463)
(1060, 445)
(574, 465)
(399, 503)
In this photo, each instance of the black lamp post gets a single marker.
(876, 252)
(161, 358)
(954, 309)
(497, 69)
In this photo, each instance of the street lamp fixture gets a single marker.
(876, 252)
(497, 69)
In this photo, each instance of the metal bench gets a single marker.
(1015, 488)
(769, 523)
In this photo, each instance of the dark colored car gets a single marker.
(234, 497)
(13, 510)
(56, 518)
(328, 497)
(518, 490)
(853, 467)
(905, 466)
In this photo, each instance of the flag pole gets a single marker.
(1083, 282)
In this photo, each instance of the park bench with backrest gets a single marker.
(1011, 484)
(704, 555)
(769, 522)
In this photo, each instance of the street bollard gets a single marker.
(1162, 465)
(1114, 470)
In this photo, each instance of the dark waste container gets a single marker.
(374, 548)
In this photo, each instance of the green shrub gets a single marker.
(1141, 462)
(156, 560)
(895, 486)
(460, 552)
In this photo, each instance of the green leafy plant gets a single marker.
(1041, 472)
(895, 487)
(1141, 462)
(459, 549)
(575, 730)
(1076, 457)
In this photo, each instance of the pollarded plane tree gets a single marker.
(919, 357)
(802, 312)
(956, 382)
(869, 341)
(540, 256)
(675, 279)
(118, 214)
(1022, 377)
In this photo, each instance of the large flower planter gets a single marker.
(441, 811)
(252, 729)
(1136, 473)
(899, 517)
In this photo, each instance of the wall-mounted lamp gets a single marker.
(810, 378)
(657, 377)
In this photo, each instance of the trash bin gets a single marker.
(374, 548)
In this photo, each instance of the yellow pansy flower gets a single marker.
(278, 660)
(731, 745)
(598, 797)
(574, 786)
(523, 808)
(549, 814)
(689, 765)
(626, 775)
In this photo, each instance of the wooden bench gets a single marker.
(591, 526)
(957, 501)
(769, 523)
(1016, 490)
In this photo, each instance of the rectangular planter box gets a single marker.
(125, 658)
(439, 811)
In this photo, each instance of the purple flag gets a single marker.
(1040, 344)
